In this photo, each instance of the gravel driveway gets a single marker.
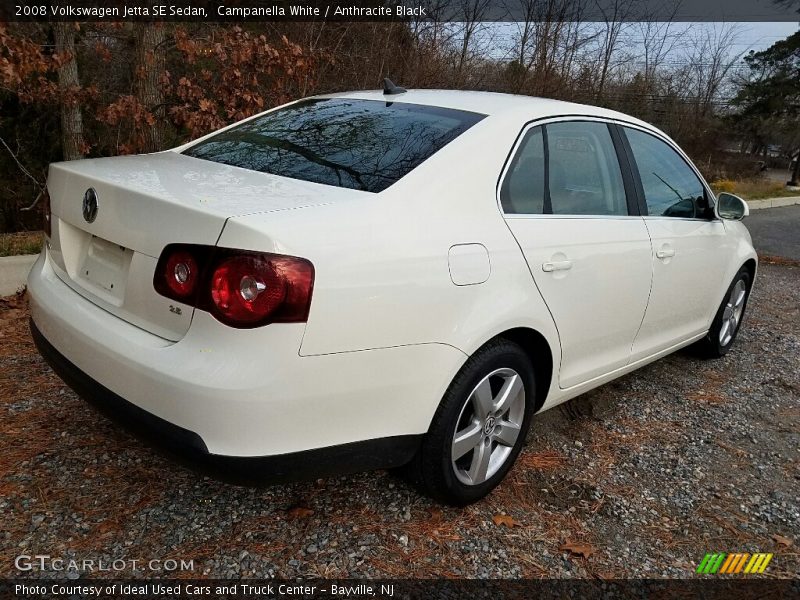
(639, 478)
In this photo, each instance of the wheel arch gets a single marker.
(540, 354)
(750, 265)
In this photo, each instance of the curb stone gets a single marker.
(773, 202)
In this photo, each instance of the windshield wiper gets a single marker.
(674, 191)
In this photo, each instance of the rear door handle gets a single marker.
(665, 253)
(559, 265)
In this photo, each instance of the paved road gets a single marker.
(776, 231)
(14, 271)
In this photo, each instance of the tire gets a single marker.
(728, 320)
(470, 408)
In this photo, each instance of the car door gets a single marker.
(690, 249)
(572, 209)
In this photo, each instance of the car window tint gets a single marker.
(523, 187)
(584, 175)
(671, 187)
(360, 144)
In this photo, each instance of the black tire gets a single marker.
(711, 346)
(432, 469)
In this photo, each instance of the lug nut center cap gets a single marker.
(489, 425)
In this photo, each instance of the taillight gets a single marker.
(47, 216)
(181, 273)
(240, 288)
(246, 289)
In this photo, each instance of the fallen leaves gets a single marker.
(778, 260)
(299, 512)
(781, 540)
(712, 397)
(543, 460)
(578, 548)
(506, 520)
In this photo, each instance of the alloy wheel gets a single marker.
(732, 314)
(488, 426)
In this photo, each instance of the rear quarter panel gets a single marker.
(381, 260)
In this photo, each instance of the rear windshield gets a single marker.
(359, 144)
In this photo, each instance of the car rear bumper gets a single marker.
(190, 448)
(246, 394)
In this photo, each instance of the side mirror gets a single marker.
(731, 207)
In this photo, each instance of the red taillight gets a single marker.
(245, 289)
(47, 216)
(181, 274)
(239, 287)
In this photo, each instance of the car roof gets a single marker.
(493, 103)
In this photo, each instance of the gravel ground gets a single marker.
(639, 478)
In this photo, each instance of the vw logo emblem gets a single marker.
(488, 426)
(90, 205)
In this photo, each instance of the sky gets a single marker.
(758, 36)
(749, 36)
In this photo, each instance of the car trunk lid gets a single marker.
(142, 204)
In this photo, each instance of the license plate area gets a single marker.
(104, 269)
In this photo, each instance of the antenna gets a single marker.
(390, 89)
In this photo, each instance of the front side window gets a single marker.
(567, 168)
(671, 187)
(360, 144)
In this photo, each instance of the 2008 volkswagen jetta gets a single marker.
(370, 280)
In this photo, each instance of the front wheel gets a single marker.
(479, 428)
(728, 319)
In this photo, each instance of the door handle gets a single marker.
(559, 265)
(665, 253)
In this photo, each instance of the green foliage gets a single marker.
(769, 103)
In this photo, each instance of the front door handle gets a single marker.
(665, 253)
(559, 265)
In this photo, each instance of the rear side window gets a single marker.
(523, 187)
(568, 168)
(360, 144)
(584, 175)
(671, 187)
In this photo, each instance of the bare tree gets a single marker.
(69, 84)
(614, 21)
(473, 13)
(431, 37)
(710, 62)
(150, 61)
(658, 41)
(546, 44)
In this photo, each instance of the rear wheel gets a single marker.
(479, 427)
(728, 319)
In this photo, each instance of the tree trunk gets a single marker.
(68, 84)
(795, 180)
(149, 67)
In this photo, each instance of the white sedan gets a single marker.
(383, 279)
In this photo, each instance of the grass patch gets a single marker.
(25, 242)
(753, 189)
